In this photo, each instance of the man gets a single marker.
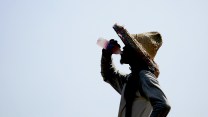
(141, 95)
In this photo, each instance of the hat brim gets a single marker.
(128, 40)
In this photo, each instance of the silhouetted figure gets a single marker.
(141, 95)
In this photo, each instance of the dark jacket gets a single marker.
(140, 91)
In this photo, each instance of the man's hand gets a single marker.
(113, 47)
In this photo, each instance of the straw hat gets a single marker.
(150, 42)
(145, 44)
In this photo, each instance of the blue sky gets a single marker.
(50, 63)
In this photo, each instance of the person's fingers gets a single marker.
(111, 41)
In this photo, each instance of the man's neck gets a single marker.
(137, 67)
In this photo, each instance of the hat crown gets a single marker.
(145, 44)
(149, 41)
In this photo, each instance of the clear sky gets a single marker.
(50, 63)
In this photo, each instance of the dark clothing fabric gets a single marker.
(141, 95)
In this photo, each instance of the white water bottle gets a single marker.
(104, 43)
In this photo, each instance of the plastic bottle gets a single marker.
(104, 43)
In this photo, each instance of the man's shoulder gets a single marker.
(147, 73)
(147, 77)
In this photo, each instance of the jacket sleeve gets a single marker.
(109, 74)
(154, 94)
